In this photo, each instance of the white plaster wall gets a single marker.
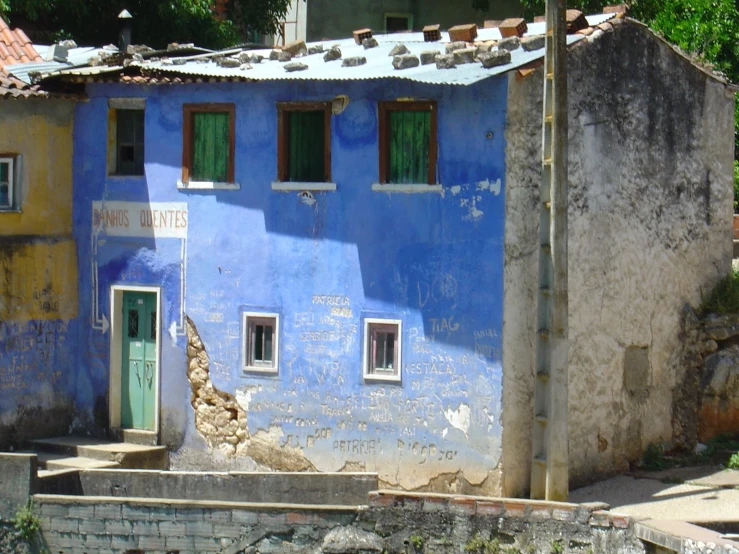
(651, 149)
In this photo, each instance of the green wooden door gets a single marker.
(138, 371)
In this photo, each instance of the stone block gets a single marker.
(179, 543)
(123, 542)
(463, 506)
(452, 46)
(354, 61)
(129, 512)
(97, 541)
(228, 530)
(465, 55)
(370, 42)
(18, 481)
(488, 508)
(510, 44)
(207, 544)
(117, 527)
(274, 54)
(57, 540)
(406, 61)
(494, 59)
(398, 50)
(315, 49)
(204, 528)
(145, 528)
(529, 44)
(295, 48)
(82, 511)
(218, 516)
(229, 62)
(351, 539)
(445, 62)
(333, 54)
(91, 525)
(283, 56)
(150, 542)
(65, 525)
(54, 510)
(295, 66)
(172, 528)
(244, 518)
(189, 514)
(429, 56)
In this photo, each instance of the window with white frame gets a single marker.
(8, 171)
(382, 349)
(261, 342)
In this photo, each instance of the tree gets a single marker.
(156, 22)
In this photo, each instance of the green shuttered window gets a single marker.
(304, 142)
(208, 153)
(408, 142)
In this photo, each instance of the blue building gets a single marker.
(307, 264)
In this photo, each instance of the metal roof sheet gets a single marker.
(378, 64)
(75, 57)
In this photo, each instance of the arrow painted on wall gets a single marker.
(99, 322)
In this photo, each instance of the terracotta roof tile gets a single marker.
(15, 46)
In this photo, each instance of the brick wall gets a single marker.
(391, 522)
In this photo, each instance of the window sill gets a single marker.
(384, 378)
(10, 211)
(260, 370)
(409, 188)
(207, 185)
(297, 186)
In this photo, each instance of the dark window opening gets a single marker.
(130, 142)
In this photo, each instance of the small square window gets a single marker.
(304, 142)
(382, 349)
(398, 22)
(8, 182)
(261, 342)
(129, 142)
(208, 143)
(408, 142)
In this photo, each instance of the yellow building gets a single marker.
(38, 257)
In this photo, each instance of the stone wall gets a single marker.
(392, 523)
(650, 171)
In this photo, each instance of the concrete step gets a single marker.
(55, 462)
(126, 455)
(135, 436)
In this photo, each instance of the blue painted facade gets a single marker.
(434, 261)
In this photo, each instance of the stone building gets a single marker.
(317, 264)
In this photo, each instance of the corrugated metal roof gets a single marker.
(378, 62)
(75, 57)
(378, 66)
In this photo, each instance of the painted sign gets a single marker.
(140, 219)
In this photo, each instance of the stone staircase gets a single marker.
(65, 453)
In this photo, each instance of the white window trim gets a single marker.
(13, 162)
(245, 343)
(299, 186)
(407, 188)
(207, 185)
(397, 377)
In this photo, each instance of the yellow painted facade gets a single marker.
(38, 257)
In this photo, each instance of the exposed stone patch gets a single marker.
(221, 420)
(429, 56)
(333, 54)
(445, 62)
(350, 540)
(218, 416)
(405, 61)
(354, 61)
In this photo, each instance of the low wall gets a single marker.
(290, 487)
(390, 523)
(17, 481)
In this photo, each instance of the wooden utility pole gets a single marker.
(549, 468)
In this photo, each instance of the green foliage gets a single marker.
(558, 546)
(480, 545)
(724, 298)
(654, 458)
(416, 541)
(26, 522)
(156, 22)
(733, 461)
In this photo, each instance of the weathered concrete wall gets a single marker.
(38, 272)
(324, 262)
(392, 524)
(650, 227)
(335, 19)
(18, 481)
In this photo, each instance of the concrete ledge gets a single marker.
(207, 185)
(257, 487)
(68, 500)
(406, 189)
(293, 186)
(673, 535)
